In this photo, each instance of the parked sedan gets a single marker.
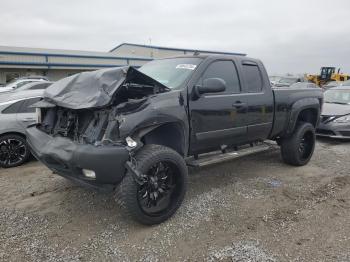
(335, 117)
(17, 83)
(29, 86)
(332, 84)
(345, 83)
(274, 79)
(288, 81)
(303, 85)
(34, 86)
(16, 114)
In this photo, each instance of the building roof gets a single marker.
(177, 49)
(12, 50)
(24, 57)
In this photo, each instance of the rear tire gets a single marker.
(14, 151)
(297, 149)
(163, 192)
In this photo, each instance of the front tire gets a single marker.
(297, 149)
(163, 191)
(14, 151)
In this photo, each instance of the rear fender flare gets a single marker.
(299, 106)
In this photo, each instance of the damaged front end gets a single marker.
(86, 109)
(81, 134)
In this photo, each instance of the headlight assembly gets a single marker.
(342, 119)
(130, 142)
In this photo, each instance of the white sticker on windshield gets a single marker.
(186, 66)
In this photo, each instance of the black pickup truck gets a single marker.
(136, 131)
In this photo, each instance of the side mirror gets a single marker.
(211, 85)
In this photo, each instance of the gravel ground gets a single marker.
(251, 209)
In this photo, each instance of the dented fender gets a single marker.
(158, 110)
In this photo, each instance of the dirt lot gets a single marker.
(251, 209)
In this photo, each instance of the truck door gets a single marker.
(257, 93)
(218, 119)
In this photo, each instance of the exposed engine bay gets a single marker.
(83, 126)
(99, 125)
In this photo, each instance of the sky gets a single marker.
(289, 36)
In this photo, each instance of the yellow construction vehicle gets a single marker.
(328, 74)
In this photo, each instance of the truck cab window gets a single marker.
(225, 70)
(252, 79)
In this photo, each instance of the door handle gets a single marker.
(239, 104)
(28, 119)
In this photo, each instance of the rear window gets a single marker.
(23, 106)
(40, 86)
(26, 106)
(13, 109)
(252, 79)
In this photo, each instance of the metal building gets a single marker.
(150, 51)
(56, 64)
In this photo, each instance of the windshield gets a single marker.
(12, 81)
(274, 78)
(337, 96)
(287, 80)
(171, 72)
(346, 83)
(303, 85)
(23, 83)
(332, 84)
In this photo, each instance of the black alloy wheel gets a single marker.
(298, 148)
(158, 194)
(306, 145)
(13, 151)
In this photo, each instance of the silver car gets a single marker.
(17, 83)
(335, 116)
(16, 114)
(30, 86)
(34, 86)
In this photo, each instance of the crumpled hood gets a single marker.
(93, 89)
(330, 109)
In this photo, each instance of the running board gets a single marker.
(218, 156)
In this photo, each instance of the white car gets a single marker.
(13, 85)
(16, 114)
(274, 79)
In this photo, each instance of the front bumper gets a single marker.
(68, 159)
(334, 130)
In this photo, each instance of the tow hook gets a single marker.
(137, 175)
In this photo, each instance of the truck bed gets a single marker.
(285, 99)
